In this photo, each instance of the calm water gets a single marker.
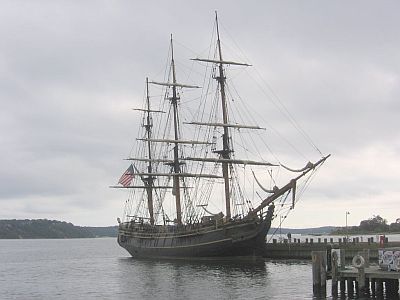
(99, 269)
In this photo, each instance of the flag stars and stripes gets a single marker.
(127, 177)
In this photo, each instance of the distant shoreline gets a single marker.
(51, 229)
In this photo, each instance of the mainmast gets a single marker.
(150, 179)
(225, 152)
(174, 101)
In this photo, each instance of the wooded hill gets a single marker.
(51, 229)
(376, 224)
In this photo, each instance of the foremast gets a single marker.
(226, 150)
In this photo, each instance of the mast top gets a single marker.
(218, 40)
(220, 61)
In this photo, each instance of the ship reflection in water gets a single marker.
(215, 279)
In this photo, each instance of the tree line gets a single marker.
(376, 224)
(50, 229)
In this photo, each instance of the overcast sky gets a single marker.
(70, 72)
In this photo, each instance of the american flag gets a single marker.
(127, 177)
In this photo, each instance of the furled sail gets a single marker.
(309, 165)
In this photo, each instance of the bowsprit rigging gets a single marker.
(183, 169)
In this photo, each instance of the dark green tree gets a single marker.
(374, 224)
(395, 227)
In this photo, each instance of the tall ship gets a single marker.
(195, 185)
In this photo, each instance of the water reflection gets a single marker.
(192, 279)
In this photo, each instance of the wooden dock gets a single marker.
(302, 250)
(359, 279)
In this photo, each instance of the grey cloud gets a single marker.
(70, 72)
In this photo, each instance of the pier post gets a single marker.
(388, 287)
(328, 258)
(342, 259)
(334, 272)
(359, 263)
(323, 273)
(341, 267)
(361, 281)
(342, 286)
(392, 287)
(319, 272)
(316, 272)
(378, 287)
(366, 284)
(350, 287)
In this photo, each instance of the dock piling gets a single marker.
(342, 286)
(334, 273)
(350, 286)
(379, 287)
(359, 263)
(319, 272)
(361, 288)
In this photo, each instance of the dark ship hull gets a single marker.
(234, 238)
